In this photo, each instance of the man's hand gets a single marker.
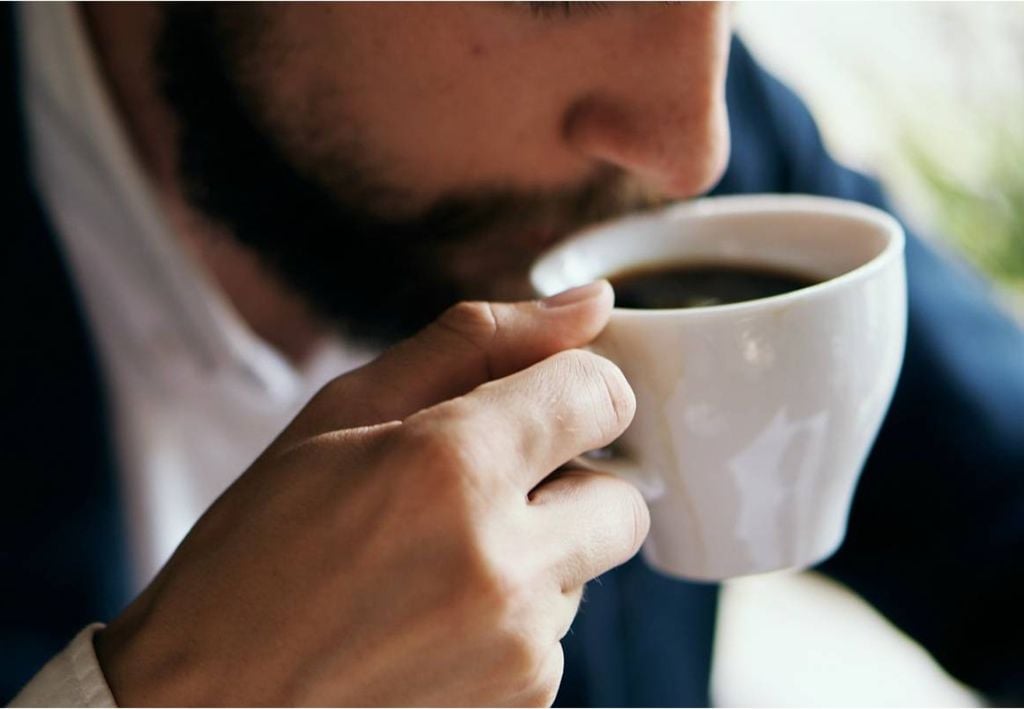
(403, 542)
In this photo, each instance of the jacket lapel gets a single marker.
(62, 554)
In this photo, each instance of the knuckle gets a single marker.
(500, 588)
(474, 321)
(524, 659)
(506, 603)
(552, 679)
(442, 445)
(504, 596)
(617, 391)
(546, 678)
(615, 402)
(474, 326)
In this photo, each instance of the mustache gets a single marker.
(460, 219)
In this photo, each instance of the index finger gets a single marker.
(525, 425)
(467, 346)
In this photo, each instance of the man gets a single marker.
(243, 200)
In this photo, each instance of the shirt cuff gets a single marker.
(72, 678)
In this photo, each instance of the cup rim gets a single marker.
(767, 203)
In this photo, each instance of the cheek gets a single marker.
(477, 100)
(427, 94)
(435, 97)
(297, 71)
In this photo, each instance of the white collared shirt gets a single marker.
(195, 394)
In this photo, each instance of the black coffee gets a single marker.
(698, 285)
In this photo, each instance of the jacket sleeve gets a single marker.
(936, 534)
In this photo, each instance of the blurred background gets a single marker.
(928, 97)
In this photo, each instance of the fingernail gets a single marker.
(574, 295)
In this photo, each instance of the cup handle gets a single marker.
(621, 466)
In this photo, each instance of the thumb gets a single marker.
(469, 344)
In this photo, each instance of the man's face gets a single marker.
(389, 159)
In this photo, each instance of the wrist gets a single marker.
(144, 667)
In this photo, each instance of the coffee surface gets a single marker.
(695, 285)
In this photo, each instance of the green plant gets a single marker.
(983, 215)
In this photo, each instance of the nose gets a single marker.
(659, 110)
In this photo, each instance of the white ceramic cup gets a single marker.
(753, 419)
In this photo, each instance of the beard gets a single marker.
(315, 221)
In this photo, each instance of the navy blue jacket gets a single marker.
(936, 538)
